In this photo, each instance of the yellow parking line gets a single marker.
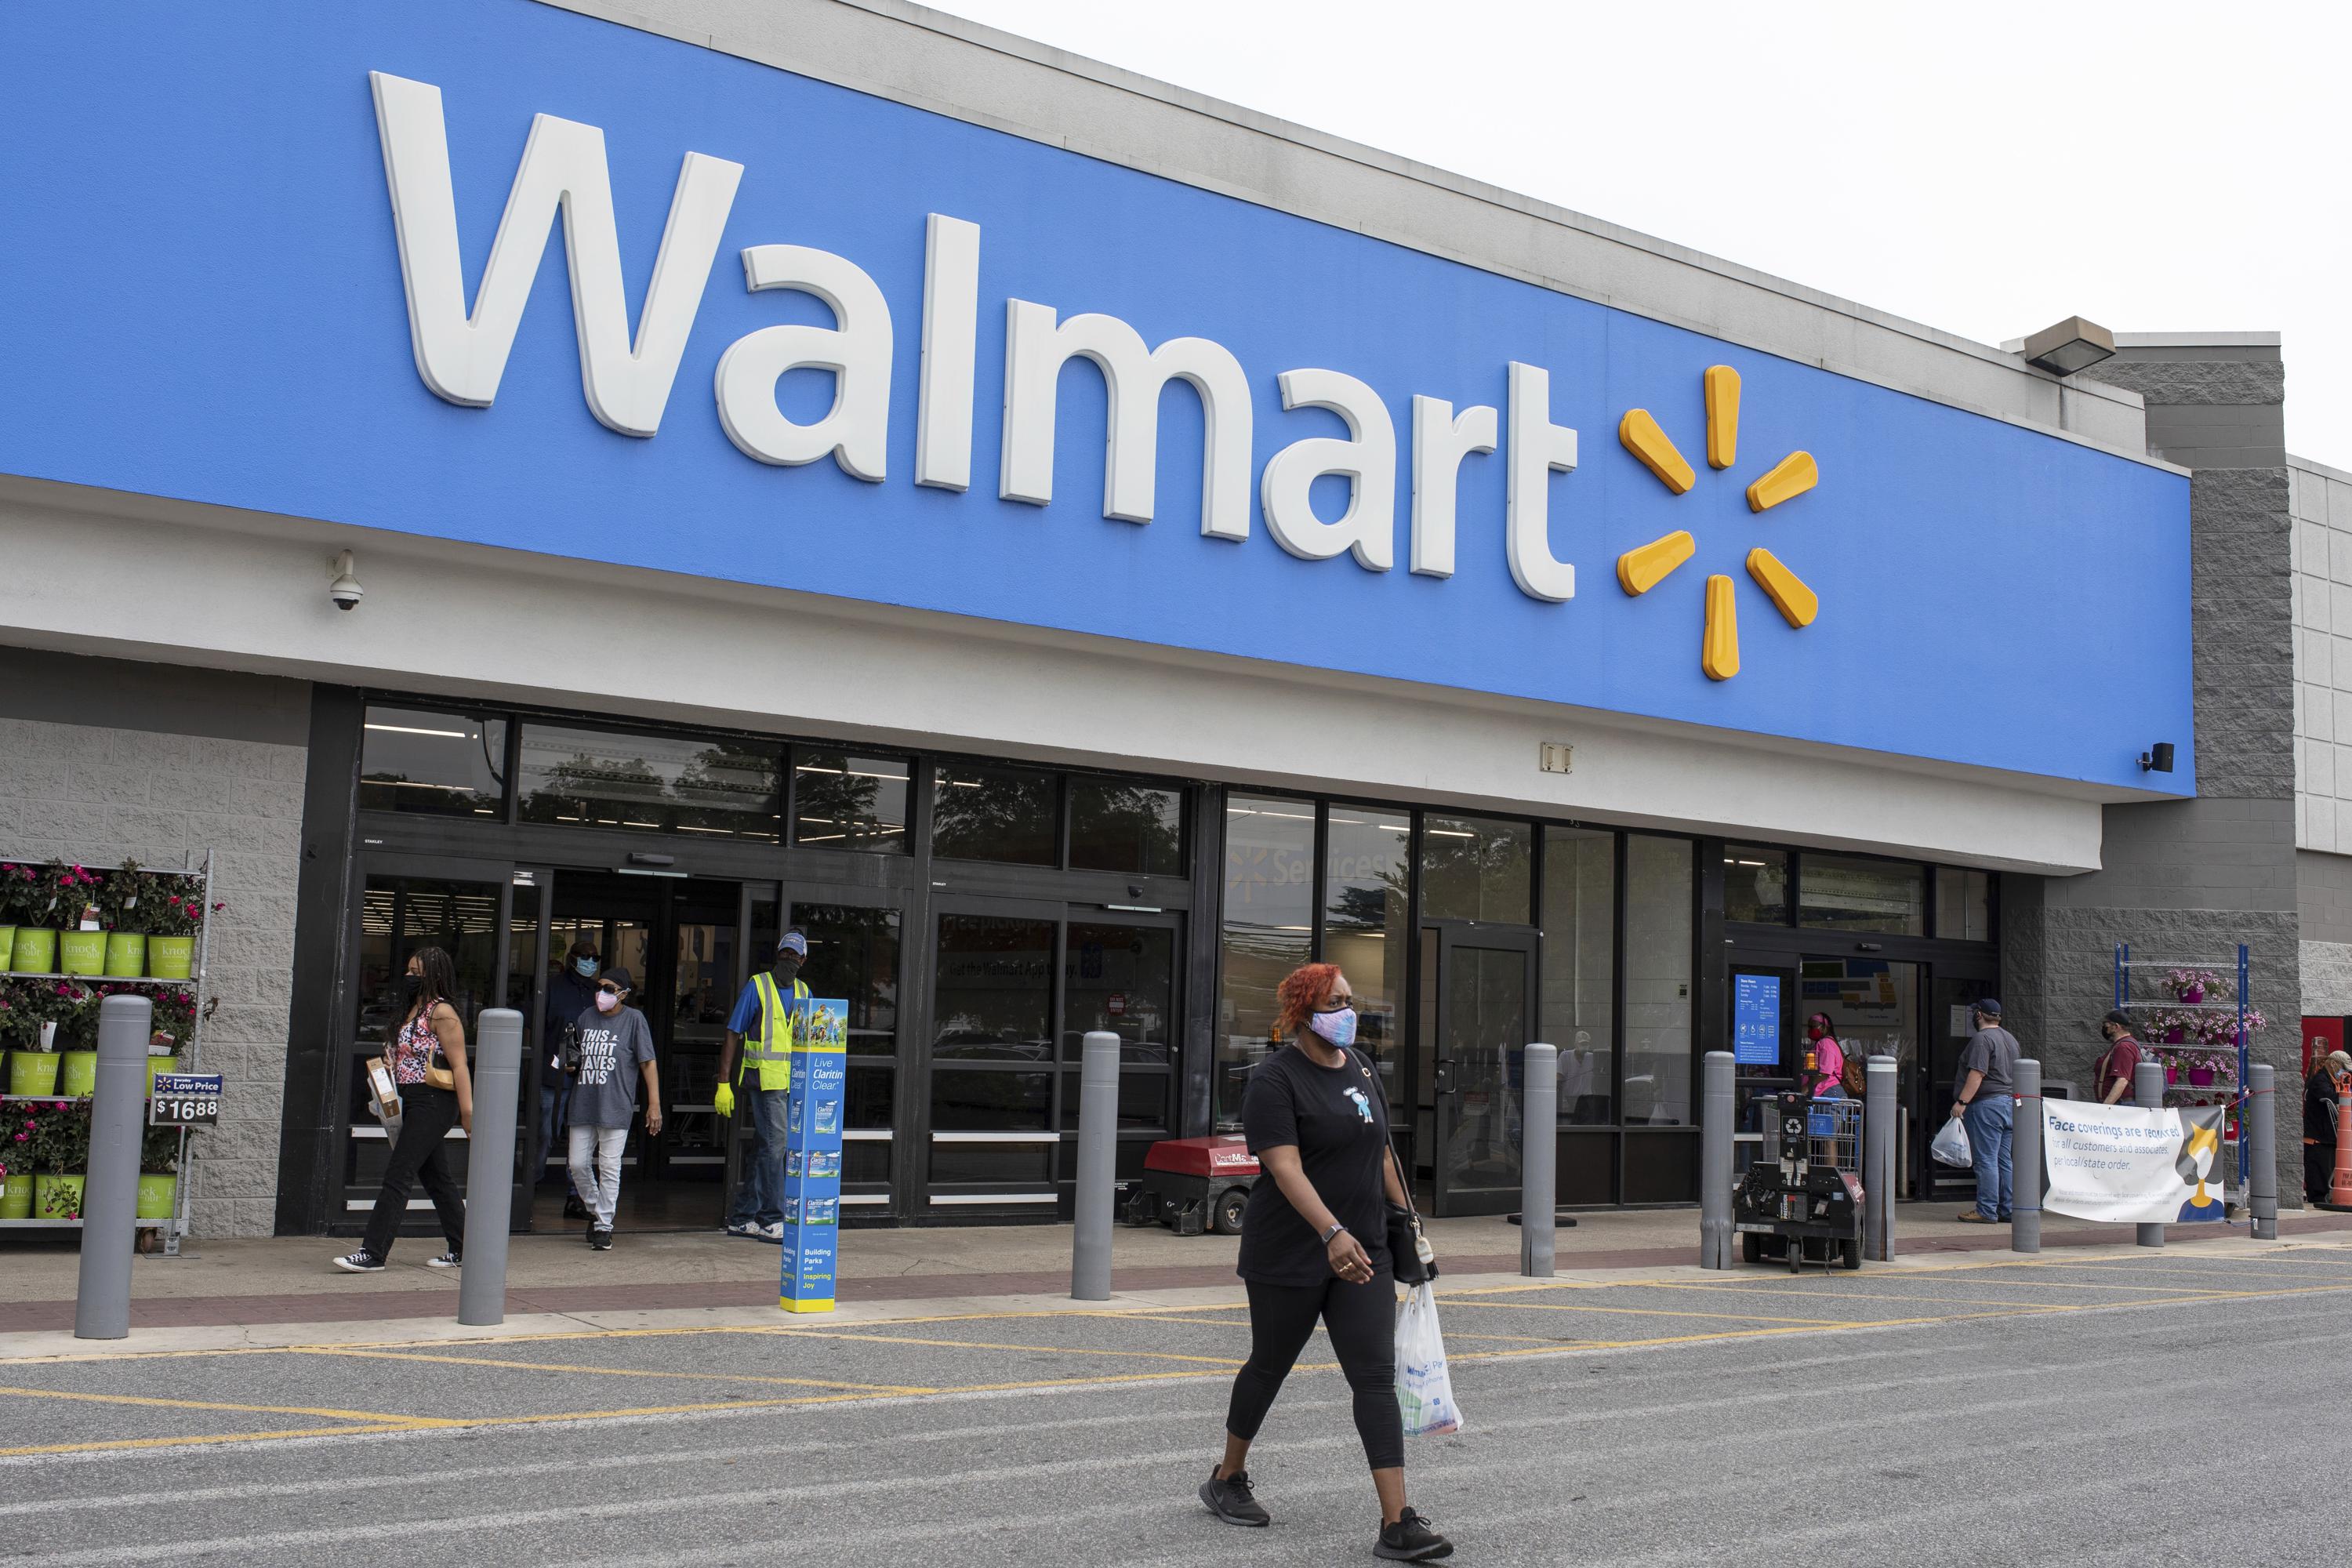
(1656, 1312)
(200, 1439)
(989, 1345)
(621, 1371)
(369, 1415)
(1868, 1295)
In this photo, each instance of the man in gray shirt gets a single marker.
(1984, 1100)
(617, 1047)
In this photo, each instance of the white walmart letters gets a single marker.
(461, 356)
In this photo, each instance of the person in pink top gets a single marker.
(1829, 1058)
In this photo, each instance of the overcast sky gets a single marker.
(1987, 168)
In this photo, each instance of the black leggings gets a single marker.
(419, 1154)
(1361, 1320)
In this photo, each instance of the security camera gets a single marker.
(346, 589)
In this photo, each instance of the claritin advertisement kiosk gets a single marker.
(813, 1153)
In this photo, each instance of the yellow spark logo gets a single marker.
(1642, 569)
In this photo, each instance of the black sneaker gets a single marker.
(1234, 1499)
(600, 1240)
(573, 1207)
(446, 1261)
(1410, 1540)
(359, 1262)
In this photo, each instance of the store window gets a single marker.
(854, 955)
(1963, 904)
(1657, 981)
(659, 784)
(1476, 869)
(1579, 1001)
(1844, 892)
(1755, 884)
(1365, 872)
(1269, 928)
(1121, 978)
(437, 763)
(1120, 826)
(1001, 814)
(843, 801)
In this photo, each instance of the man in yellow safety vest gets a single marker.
(760, 1027)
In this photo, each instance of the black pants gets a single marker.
(2318, 1172)
(427, 1115)
(1361, 1320)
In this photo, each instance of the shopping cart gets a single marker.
(1802, 1199)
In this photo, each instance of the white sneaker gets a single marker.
(744, 1228)
(774, 1233)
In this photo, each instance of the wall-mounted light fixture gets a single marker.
(2157, 759)
(2073, 344)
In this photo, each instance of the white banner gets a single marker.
(2121, 1163)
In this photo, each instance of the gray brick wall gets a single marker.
(2326, 978)
(104, 793)
(2192, 879)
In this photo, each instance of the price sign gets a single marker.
(185, 1099)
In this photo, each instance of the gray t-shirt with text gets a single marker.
(612, 1048)
(1991, 1051)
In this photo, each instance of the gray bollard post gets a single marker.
(2147, 1093)
(1538, 1161)
(1098, 1167)
(110, 1198)
(2261, 1150)
(1714, 1247)
(496, 1064)
(1879, 1110)
(2025, 1159)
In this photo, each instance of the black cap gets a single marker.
(2118, 1016)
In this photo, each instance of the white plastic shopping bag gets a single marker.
(1424, 1390)
(1951, 1145)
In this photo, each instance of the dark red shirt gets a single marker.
(2121, 1058)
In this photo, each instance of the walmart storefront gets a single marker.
(769, 505)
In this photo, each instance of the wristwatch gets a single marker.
(1336, 1229)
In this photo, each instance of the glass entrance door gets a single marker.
(1478, 1043)
(1016, 986)
(474, 912)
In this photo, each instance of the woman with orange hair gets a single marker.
(1315, 1245)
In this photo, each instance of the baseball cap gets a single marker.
(795, 943)
(2339, 1061)
(1989, 1007)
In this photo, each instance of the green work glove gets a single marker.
(724, 1101)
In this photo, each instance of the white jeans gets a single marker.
(599, 1186)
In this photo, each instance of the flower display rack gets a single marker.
(2200, 1032)
(189, 1004)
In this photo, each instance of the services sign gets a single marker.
(2123, 1164)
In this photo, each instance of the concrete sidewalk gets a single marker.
(288, 1281)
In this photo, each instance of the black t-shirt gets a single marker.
(1338, 1119)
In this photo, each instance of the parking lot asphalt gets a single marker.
(1621, 1414)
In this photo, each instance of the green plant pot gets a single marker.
(82, 952)
(126, 954)
(156, 1065)
(78, 1074)
(16, 1199)
(32, 1072)
(157, 1195)
(57, 1197)
(171, 957)
(34, 952)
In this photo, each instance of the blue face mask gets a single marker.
(586, 966)
(1338, 1028)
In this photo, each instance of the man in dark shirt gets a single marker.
(1984, 1100)
(2112, 1078)
(2319, 1107)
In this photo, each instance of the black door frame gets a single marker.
(1453, 935)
